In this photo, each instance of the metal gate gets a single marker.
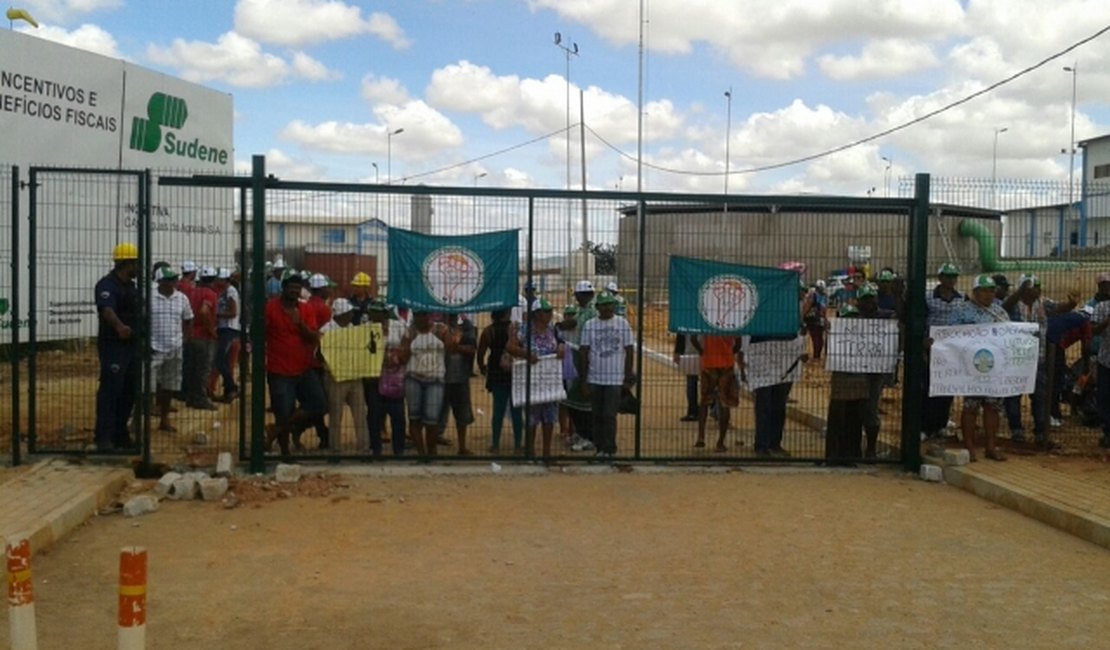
(76, 216)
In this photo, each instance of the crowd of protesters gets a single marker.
(424, 375)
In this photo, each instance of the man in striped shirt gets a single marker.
(940, 305)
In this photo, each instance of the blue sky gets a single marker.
(317, 84)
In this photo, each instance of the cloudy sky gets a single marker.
(480, 87)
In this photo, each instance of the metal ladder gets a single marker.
(943, 229)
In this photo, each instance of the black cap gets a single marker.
(1000, 280)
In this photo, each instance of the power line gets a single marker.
(876, 136)
(490, 155)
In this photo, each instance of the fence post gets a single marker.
(145, 282)
(641, 238)
(258, 309)
(913, 387)
(32, 308)
(13, 304)
(246, 274)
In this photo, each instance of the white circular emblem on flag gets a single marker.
(453, 275)
(728, 302)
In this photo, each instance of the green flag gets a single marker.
(453, 274)
(708, 297)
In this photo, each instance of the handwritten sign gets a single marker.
(354, 352)
(769, 363)
(546, 381)
(860, 345)
(989, 360)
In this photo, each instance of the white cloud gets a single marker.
(303, 22)
(382, 90)
(539, 105)
(306, 67)
(236, 60)
(879, 59)
(85, 37)
(427, 134)
(769, 39)
(62, 10)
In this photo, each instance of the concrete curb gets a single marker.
(1084, 525)
(576, 469)
(68, 507)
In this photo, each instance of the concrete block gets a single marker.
(213, 489)
(224, 464)
(197, 476)
(184, 489)
(932, 473)
(957, 457)
(287, 473)
(140, 504)
(165, 484)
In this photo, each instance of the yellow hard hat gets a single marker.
(125, 251)
(361, 280)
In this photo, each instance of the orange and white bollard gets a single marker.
(132, 598)
(21, 597)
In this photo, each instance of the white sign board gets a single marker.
(768, 363)
(990, 360)
(862, 345)
(66, 107)
(546, 381)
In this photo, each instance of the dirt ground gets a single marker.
(599, 561)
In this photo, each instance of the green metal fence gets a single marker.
(564, 236)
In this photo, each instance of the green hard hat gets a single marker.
(848, 310)
(984, 281)
(948, 269)
(867, 290)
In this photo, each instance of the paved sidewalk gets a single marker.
(1069, 498)
(51, 498)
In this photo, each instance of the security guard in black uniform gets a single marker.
(118, 306)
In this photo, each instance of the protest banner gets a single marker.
(988, 360)
(862, 345)
(546, 381)
(354, 352)
(773, 362)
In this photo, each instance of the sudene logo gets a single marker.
(171, 112)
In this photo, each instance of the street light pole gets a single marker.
(389, 154)
(887, 174)
(568, 51)
(476, 177)
(728, 137)
(375, 165)
(1074, 70)
(994, 167)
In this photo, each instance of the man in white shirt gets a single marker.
(606, 348)
(171, 319)
(227, 334)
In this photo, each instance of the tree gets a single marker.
(605, 258)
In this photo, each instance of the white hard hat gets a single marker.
(279, 262)
(820, 284)
(224, 273)
(208, 272)
(188, 266)
(612, 286)
(584, 286)
(318, 281)
(341, 306)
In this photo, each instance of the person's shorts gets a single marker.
(304, 390)
(425, 400)
(456, 401)
(165, 369)
(719, 383)
(975, 404)
(544, 414)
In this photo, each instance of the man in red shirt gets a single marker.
(718, 381)
(201, 347)
(292, 336)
